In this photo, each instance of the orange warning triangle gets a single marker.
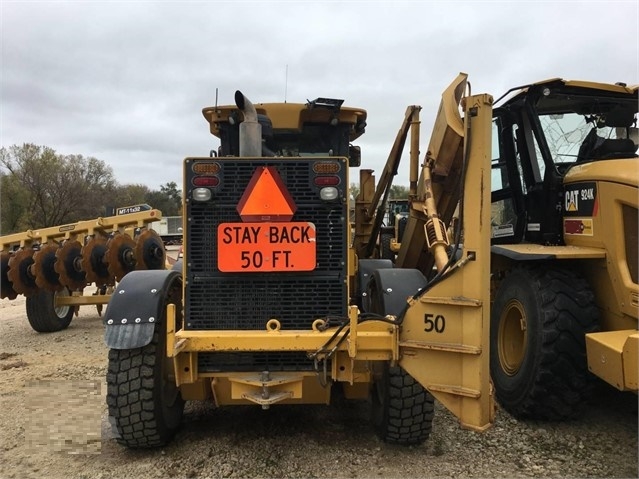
(266, 198)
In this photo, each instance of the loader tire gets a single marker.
(403, 410)
(538, 348)
(385, 249)
(143, 400)
(44, 316)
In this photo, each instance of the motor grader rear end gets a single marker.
(52, 266)
(278, 300)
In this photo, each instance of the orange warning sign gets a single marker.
(263, 247)
(266, 198)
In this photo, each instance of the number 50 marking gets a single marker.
(434, 323)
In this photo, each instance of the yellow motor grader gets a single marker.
(277, 300)
(52, 266)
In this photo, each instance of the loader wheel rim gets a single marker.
(61, 311)
(512, 337)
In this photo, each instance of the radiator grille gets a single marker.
(249, 301)
(246, 362)
(243, 301)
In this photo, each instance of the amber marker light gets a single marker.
(326, 167)
(205, 168)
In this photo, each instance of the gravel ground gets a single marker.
(54, 424)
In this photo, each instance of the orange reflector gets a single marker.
(266, 198)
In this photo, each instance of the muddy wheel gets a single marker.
(141, 394)
(403, 410)
(538, 351)
(44, 316)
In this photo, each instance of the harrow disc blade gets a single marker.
(20, 272)
(93, 261)
(44, 268)
(69, 267)
(120, 256)
(149, 251)
(6, 286)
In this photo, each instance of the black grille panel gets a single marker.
(245, 362)
(228, 301)
(249, 301)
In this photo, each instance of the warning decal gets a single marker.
(578, 226)
(266, 247)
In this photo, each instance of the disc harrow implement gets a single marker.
(6, 286)
(20, 272)
(69, 265)
(46, 277)
(149, 251)
(53, 266)
(94, 263)
(120, 256)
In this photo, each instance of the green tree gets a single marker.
(399, 192)
(13, 201)
(171, 190)
(167, 199)
(128, 195)
(52, 189)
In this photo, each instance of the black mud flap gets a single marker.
(365, 269)
(135, 307)
(389, 289)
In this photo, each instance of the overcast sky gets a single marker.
(126, 82)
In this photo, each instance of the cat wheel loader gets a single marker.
(281, 297)
(564, 260)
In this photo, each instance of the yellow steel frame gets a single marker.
(87, 227)
(104, 225)
(370, 341)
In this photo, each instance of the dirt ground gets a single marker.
(54, 424)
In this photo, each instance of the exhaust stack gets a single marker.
(250, 129)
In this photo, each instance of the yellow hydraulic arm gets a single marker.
(444, 336)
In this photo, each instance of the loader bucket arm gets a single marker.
(444, 159)
(444, 338)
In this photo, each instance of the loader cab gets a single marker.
(538, 136)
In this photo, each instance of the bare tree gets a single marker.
(53, 189)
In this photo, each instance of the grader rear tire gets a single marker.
(44, 316)
(403, 410)
(141, 394)
(538, 352)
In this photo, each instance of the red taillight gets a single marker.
(326, 181)
(206, 181)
